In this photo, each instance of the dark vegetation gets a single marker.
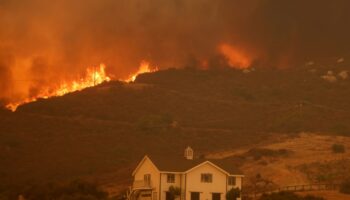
(288, 196)
(258, 153)
(107, 129)
(345, 187)
(263, 156)
(233, 194)
(327, 172)
(338, 148)
(174, 192)
(259, 185)
(75, 190)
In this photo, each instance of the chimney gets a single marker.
(189, 153)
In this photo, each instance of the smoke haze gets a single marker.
(45, 42)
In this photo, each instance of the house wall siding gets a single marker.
(165, 185)
(183, 187)
(188, 182)
(238, 184)
(194, 184)
(148, 167)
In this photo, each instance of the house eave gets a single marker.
(185, 172)
(171, 172)
(237, 175)
(141, 162)
(210, 163)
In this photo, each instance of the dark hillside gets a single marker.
(272, 100)
(108, 128)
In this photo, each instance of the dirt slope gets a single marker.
(305, 150)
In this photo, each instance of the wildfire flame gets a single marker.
(144, 68)
(236, 58)
(94, 76)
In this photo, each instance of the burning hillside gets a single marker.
(144, 68)
(45, 46)
(93, 76)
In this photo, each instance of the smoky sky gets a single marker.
(43, 42)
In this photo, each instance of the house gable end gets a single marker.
(144, 159)
(207, 178)
(209, 163)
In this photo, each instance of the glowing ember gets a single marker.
(94, 76)
(236, 58)
(144, 68)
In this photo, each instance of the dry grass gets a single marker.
(239, 151)
(306, 148)
(310, 148)
(329, 195)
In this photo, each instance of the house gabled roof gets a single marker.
(141, 162)
(209, 163)
(181, 164)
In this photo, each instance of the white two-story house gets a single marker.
(196, 178)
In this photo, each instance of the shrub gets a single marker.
(155, 122)
(72, 191)
(345, 187)
(258, 153)
(174, 192)
(233, 194)
(338, 148)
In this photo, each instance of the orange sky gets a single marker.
(44, 42)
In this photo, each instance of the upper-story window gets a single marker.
(170, 178)
(147, 179)
(207, 178)
(231, 180)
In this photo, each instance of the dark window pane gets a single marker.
(171, 178)
(194, 195)
(216, 196)
(206, 178)
(231, 180)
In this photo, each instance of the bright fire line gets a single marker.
(94, 76)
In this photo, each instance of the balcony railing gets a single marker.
(141, 184)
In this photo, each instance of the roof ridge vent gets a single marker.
(189, 153)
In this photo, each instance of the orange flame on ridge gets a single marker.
(144, 68)
(94, 76)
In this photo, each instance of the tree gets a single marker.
(258, 184)
(233, 194)
(174, 192)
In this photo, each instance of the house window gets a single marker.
(231, 180)
(171, 178)
(216, 196)
(206, 178)
(147, 179)
(195, 195)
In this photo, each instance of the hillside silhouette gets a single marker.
(107, 128)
